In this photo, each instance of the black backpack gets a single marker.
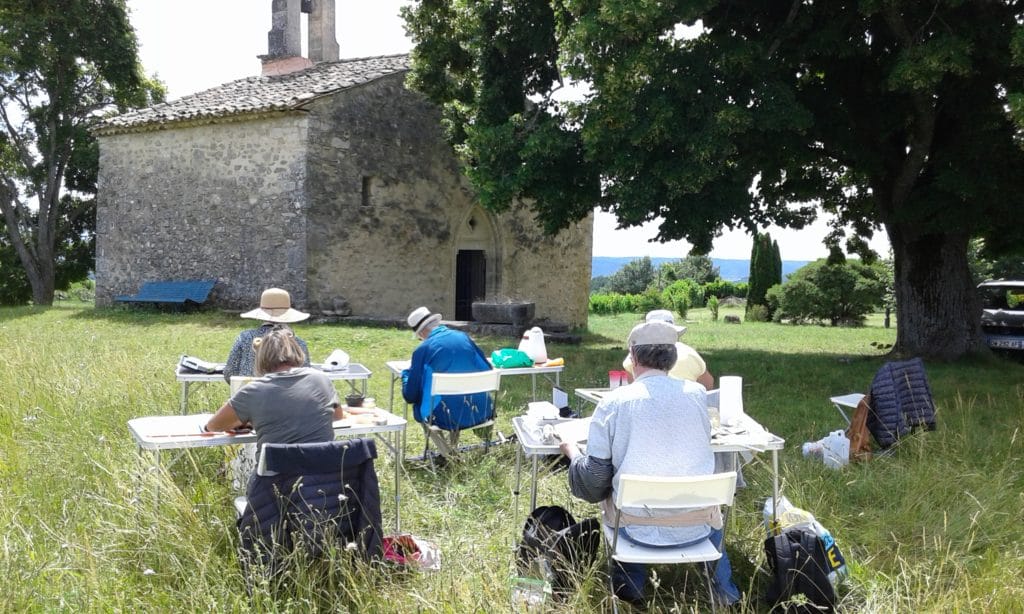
(799, 565)
(553, 538)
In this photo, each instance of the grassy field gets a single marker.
(936, 527)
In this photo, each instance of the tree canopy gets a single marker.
(889, 114)
(63, 64)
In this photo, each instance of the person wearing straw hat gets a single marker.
(443, 350)
(689, 364)
(275, 309)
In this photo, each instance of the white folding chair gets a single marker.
(849, 401)
(453, 384)
(678, 502)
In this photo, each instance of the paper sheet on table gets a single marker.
(559, 397)
(575, 431)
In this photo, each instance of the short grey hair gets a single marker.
(661, 356)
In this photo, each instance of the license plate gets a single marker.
(1006, 344)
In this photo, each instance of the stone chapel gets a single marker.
(325, 177)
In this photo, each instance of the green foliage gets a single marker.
(724, 289)
(698, 268)
(840, 294)
(879, 113)
(599, 284)
(984, 267)
(649, 300)
(765, 271)
(757, 313)
(712, 305)
(633, 278)
(613, 303)
(684, 294)
(62, 66)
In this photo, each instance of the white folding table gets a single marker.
(354, 373)
(747, 435)
(157, 433)
(395, 367)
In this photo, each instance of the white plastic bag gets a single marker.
(790, 516)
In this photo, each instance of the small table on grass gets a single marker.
(355, 372)
(747, 435)
(395, 367)
(157, 433)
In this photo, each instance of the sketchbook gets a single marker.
(575, 431)
(194, 364)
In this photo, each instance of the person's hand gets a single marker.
(569, 449)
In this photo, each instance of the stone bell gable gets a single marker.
(333, 182)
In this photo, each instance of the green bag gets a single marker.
(509, 358)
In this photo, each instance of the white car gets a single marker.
(1002, 317)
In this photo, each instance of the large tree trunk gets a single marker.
(42, 281)
(938, 314)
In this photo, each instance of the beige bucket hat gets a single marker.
(276, 306)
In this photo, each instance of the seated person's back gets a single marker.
(443, 350)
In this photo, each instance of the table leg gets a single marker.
(519, 469)
(184, 398)
(775, 492)
(398, 454)
(533, 489)
(533, 380)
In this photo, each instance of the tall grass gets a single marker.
(89, 526)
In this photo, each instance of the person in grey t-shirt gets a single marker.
(289, 403)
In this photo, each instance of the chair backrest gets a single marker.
(465, 383)
(675, 492)
(319, 490)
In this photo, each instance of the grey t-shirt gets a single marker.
(295, 406)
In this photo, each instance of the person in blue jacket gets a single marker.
(443, 350)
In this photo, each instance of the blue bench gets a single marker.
(174, 292)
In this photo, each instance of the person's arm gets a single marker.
(707, 380)
(412, 378)
(225, 419)
(590, 478)
(234, 363)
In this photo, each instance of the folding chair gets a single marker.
(694, 500)
(901, 400)
(313, 495)
(461, 386)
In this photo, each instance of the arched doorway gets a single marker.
(476, 262)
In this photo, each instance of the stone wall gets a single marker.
(224, 201)
(390, 210)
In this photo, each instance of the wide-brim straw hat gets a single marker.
(421, 317)
(276, 306)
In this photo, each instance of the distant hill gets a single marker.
(730, 270)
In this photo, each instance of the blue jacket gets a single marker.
(901, 399)
(446, 351)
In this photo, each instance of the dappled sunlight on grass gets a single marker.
(936, 526)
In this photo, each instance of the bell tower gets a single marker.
(284, 41)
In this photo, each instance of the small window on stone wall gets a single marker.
(367, 186)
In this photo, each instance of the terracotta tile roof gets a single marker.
(260, 94)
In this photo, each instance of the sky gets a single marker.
(193, 45)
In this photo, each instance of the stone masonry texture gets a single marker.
(350, 197)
